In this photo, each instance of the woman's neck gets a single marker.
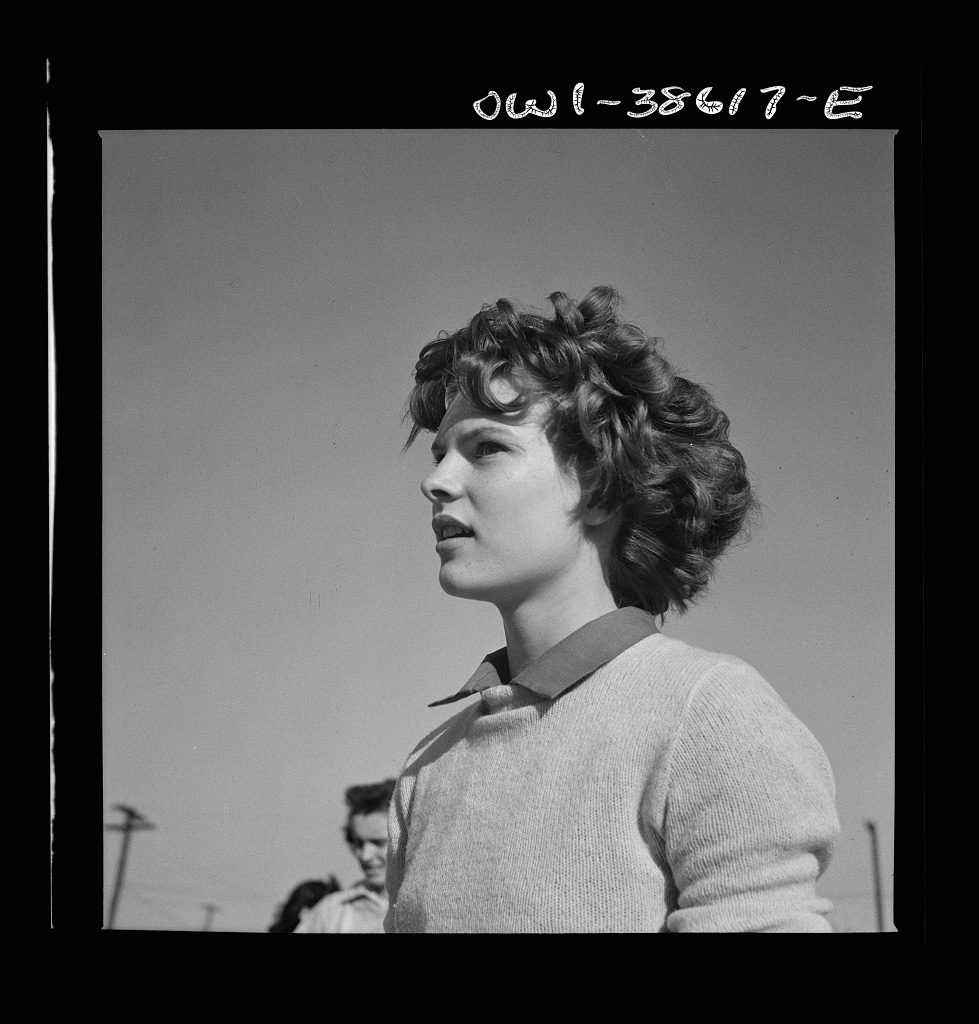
(535, 627)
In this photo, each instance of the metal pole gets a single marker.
(875, 860)
(134, 820)
(120, 871)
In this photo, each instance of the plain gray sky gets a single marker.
(273, 627)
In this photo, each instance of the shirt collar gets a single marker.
(568, 661)
(360, 889)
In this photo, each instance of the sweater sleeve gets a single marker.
(749, 817)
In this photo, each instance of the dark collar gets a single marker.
(567, 662)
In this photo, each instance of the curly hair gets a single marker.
(367, 799)
(643, 441)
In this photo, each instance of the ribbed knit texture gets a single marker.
(671, 790)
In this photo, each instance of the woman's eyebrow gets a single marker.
(475, 432)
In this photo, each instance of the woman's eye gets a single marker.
(488, 448)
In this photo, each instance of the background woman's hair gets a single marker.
(306, 894)
(643, 440)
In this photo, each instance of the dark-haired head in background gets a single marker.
(302, 898)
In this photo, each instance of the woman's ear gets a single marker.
(597, 515)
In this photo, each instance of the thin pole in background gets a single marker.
(875, 859)
(134, 820)
(210, 909)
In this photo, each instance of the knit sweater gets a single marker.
(671, 790)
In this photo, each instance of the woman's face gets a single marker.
(509, 508)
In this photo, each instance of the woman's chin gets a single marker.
(456, 584)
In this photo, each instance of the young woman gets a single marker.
(606, 778)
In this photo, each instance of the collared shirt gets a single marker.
(568, 661)
(350, 911)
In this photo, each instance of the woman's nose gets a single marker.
(442, 483)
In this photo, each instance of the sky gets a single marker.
(272, 623)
